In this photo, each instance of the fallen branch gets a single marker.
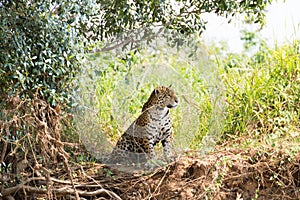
(67, 190)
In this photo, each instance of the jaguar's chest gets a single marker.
(159, 127)
(151, 124)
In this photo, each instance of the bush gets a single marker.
(37, 53)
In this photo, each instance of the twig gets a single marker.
(191, 103)
(110, 193)
(4, 148)
(128, 40)
(12, 190)
(65, 161)
(162, 179)
(159, 184)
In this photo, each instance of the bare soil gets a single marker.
(232, 174)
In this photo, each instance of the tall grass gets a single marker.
(222, 96)
(262, 94)
(115, 87)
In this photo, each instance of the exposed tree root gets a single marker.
(222, 175)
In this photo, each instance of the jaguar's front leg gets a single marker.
(152, 161)
(152, 154)
(167, 147)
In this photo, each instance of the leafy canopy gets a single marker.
(41, 40)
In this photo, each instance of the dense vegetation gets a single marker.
(51, 79)
(223, 95)
(263, 96)
(44, 43)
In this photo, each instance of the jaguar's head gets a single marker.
(162, 96)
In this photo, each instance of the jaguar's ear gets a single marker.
(171, 85)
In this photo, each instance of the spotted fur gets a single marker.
(151, 127)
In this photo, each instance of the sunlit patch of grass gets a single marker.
(263, 95)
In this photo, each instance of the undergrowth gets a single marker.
(234, 100)
(262, 94)
(123, 83)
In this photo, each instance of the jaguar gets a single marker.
(153, 125)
